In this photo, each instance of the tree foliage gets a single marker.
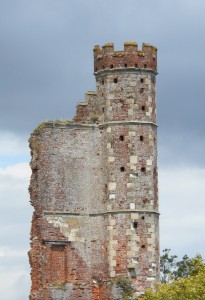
(172, 269)
(181, 280)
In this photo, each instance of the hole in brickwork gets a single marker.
(135, 224)
(133, 175)
(103, 109)
(143, 246)
(122, 169)
(111, 66)
(115, 80)
(136, 65)
(122, 137)
(96, 69)
(141, 138)
(141, 90)
(145, 200)
(142, 217)
(143, 169)
(145, 65)
(141, 80)
(125, 65)
(143, 107)
(103, 67)
(132, 273)
(103, 81)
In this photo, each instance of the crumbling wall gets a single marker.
(67, 188)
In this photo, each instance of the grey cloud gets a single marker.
(47, 56)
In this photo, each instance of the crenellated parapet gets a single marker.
(107, 58)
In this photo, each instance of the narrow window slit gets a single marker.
(135, 225)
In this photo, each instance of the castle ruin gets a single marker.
(94, 186)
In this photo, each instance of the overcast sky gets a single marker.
(46, 65)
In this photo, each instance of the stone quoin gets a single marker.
(94, 186)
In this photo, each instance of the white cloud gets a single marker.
(8, 252)
(14, 284)
(15, 225)
(17, 171)
(12, 144)
(182, 208)
(14, 181)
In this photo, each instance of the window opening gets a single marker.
(122, 169)
(143, 107)
(121, 137)
(136, 65)
(142, 80)
(115, 80)
(125, 65)
(103, 81)
(141, 90)
(135, 224)
(141, 138)
(145, 65)
(143, 169)
(111, 66)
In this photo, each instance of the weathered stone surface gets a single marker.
(94, 186)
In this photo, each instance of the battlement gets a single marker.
(107, 58)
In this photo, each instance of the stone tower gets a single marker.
(94, 186)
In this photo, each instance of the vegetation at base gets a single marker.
(124, 284)
(180, 280)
